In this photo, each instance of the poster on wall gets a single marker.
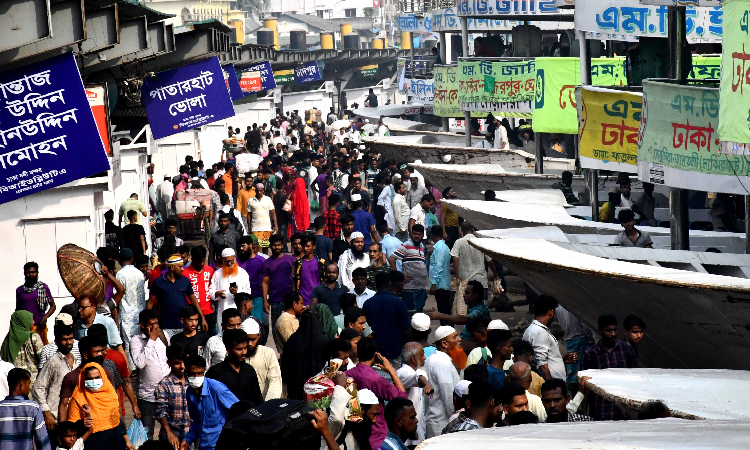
(187, 97)
(554, 93)
(494, 86)
(679, 145)
(267, 76)
(421, 90)
(608, 122)
(310, 71)
(48, 134)
(99, 103)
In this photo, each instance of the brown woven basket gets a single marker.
(76, 267)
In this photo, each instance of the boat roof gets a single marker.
(555, 215)
(550, 254)
(689, 393)
(665, 434)
(536, 196)
(390, 110)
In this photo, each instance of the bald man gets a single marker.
(520, 373)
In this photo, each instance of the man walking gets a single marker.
(228, 281)
(414, 267)
(547, 358)
(49, 381)
(443, 376)
(21, 420)
(35, 297)
(133, 300)
(170, 291)
(353, 258)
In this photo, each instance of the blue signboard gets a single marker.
(266, 75)
(48, 135)
(308, 72)
(190, 96)
(233, 84)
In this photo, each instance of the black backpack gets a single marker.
(278, 424)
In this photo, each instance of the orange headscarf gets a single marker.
(300, 206)
(104, 403)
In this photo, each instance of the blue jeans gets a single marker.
(578, 345)
(414, 299)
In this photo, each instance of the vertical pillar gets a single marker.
(465, 47)
(747, 224)
(593, 174)
(539, 153)
(443, 53)
(679, 229)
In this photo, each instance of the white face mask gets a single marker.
(195, 382)
(94, 385)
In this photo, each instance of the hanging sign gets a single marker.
(627, 20)
(251, 81)
(554, 93)
(267, 75)
(507, 8)
(97, 96)
(187, 97)
(308, 72)
(608, 123)
(445, 19)
(411, 22)
(283, 76)
(233, 84)
(679, 146)
(48, 134)
(495, 85)
(445, 87)
(735, 79)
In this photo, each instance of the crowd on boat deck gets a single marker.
(312, 287)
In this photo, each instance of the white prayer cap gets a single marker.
(367, 397)
(227, 252)
(443, 332)
(362, 147)
(396, 177)
(420, 322)
(226, 208)
(367, 120)
(250, 326)
(356, 235)
(497, 324)
(447, 158)
(356, 197)
(462, 388)
(66, 319)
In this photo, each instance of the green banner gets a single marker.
(496, 85)
(556, 81)
(734, 109)
(445, 103)
(678, 145)
(706, 67)
(283, 76)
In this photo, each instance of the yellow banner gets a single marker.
(608, 122)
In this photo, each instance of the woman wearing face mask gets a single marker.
(95, 390)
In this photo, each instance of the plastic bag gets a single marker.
(137, 433)
(314, 205)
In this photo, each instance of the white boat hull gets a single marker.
(694, 320)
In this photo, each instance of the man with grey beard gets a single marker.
(415, 382)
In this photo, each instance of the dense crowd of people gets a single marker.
(312, 287)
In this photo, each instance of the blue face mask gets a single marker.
(94, 385)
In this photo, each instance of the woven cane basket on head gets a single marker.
(78, 271)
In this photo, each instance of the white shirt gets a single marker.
(470, 260)
(219, 283)
(417, 213)
(501, 138)
(546, 349)
(382, 130)
(247, 162)
(410, 378)
(276, 140)
(5, 367)
(625, 202)
(536, 406)
(215, 352)
(266, 366)
(484, 143)
(362, 298)
(164, 194)
(338, 138)
(150, 357)
(443, 376)
(401, 213)
(347, 264)
(261, 213)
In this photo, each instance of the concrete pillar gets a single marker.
(465, 44)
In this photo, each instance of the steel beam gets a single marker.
(24, 22)
(133, 38)
(102, 29)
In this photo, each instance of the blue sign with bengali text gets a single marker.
(233, 84)
(187, 97)
(308, 72)
(266, 74)
(48, 135)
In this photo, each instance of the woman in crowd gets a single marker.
(300, 206)
(22, 346)
(303, 354)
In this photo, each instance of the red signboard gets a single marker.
(97, 96)
(251, 82)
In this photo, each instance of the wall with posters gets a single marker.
(608, 128)
(679, 144)
(626, 20)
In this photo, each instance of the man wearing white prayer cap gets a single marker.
(353, 258)
(228, 281)
(443, 376)
(263, 360)
(339, 410)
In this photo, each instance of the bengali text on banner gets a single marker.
(678, 143)
(734, 108)
(496, 85)
(608, 123)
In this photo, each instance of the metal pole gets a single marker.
(679, 221)
(593, 174)
(539, 153)
(465, 48)
(747, 224)
(443, 53)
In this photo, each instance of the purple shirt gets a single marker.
(366, 378)
(279, 273)
(254, 267)
(322, 188)
(310, 277)
(27, 302)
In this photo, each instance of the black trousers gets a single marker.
(444, 302)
